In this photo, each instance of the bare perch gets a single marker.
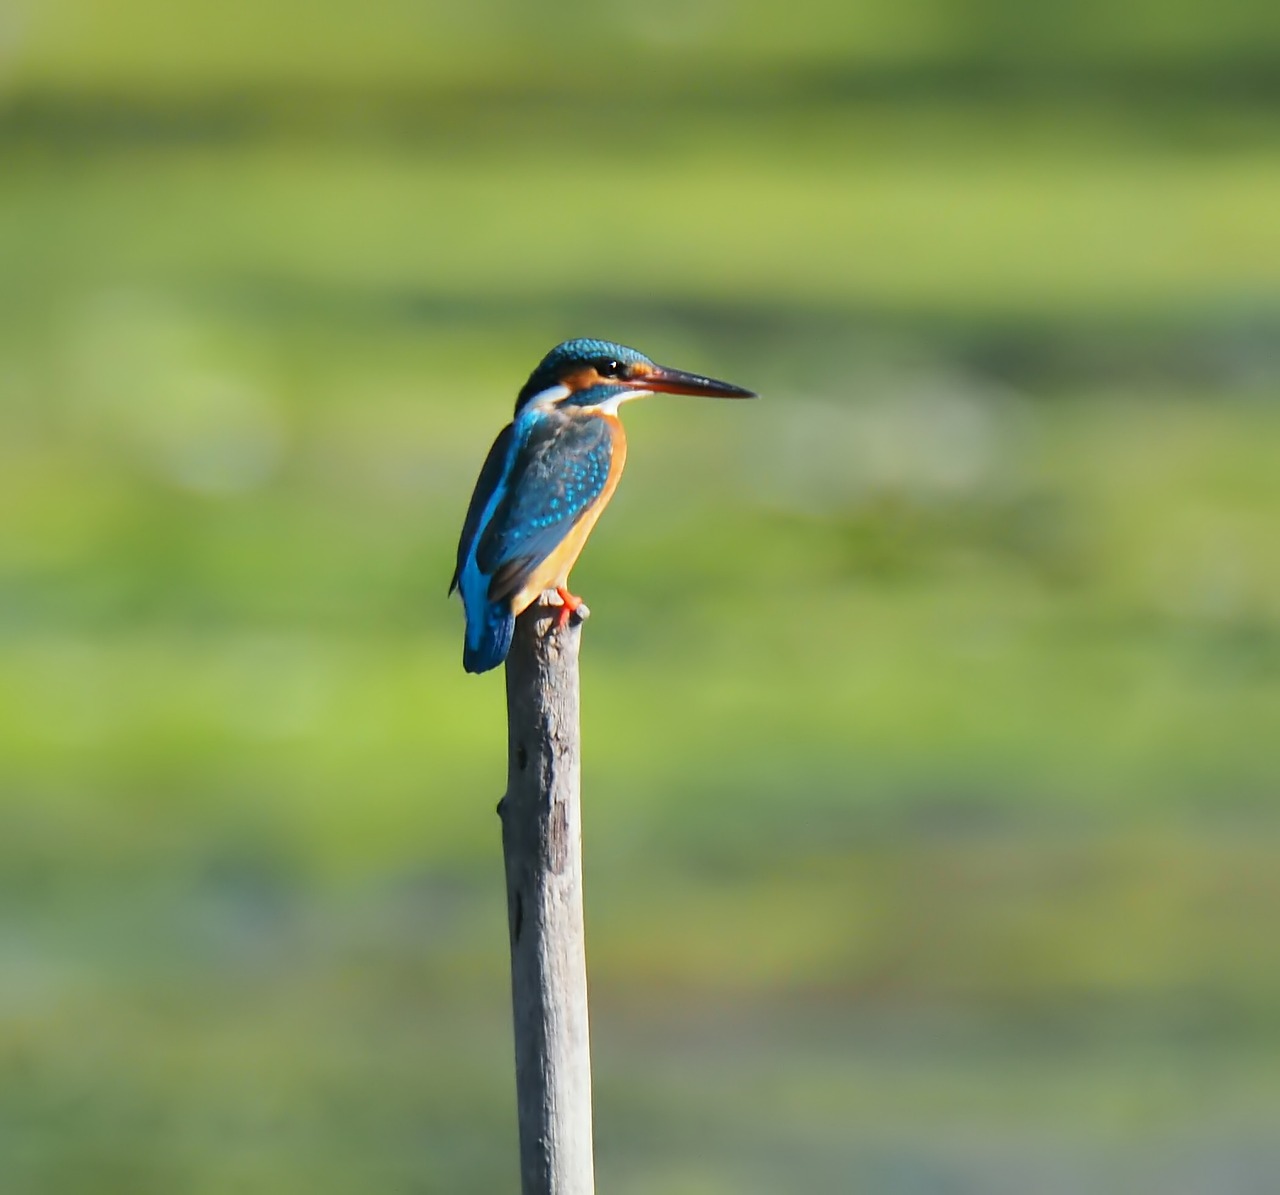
(542, 849)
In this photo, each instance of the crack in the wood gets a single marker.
(558, 837)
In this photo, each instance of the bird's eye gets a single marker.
(610, 369)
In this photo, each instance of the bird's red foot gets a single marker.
(569, 606)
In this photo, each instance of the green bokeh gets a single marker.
(932, 704)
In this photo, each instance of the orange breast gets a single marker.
(553, 572)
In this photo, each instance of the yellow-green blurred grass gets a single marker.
(1090, 618)
(997, 224)
(935, 694)
(1092, 613)
(146, 45)
(1085, 618)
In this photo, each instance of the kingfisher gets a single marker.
(548, 476)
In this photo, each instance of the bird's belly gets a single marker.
(553, 572)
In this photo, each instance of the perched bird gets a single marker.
(549, 474)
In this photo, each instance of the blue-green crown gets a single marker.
(573, 355)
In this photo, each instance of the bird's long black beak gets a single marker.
(662, 380)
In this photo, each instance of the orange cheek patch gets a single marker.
(581, 379)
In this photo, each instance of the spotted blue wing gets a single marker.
(559, 472)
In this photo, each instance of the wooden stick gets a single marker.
(542, 850)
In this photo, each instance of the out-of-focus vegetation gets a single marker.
(932, 703)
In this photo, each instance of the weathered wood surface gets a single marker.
(542, 849)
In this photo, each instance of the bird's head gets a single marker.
(598, 375)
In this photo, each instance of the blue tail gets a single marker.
(486, 644)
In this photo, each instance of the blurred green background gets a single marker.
(932, 704)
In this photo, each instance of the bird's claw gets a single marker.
(571, 607)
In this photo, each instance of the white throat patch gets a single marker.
(625, 394)
(548, 398)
